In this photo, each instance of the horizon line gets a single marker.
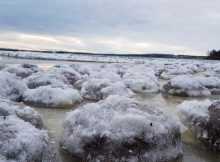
(92, 53)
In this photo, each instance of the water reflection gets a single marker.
(193, 151)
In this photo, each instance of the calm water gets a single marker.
(192, 150)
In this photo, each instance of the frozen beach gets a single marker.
(83, 86)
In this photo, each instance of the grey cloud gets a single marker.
(192, 24)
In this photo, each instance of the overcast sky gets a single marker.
(111, 26)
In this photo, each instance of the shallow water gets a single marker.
(43, 64)
(192, 150)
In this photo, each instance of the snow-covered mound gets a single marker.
(172, 71)
(91, 89)
(48, 96)
(32, 67)
(185, 85)
(121, 129)
(11, 87)
(175, 71)
(79, 83)
(2, 66)
(84, 69)
(22, 142)
(202, 117)
(117, 88)
(212, 83)
(195, 67)
(141, 79)
(106, 74)
(115, 67)
(66, 71)
(22, 71)
(194, 112)
(42, 79)
(21, 111)
(98, 89)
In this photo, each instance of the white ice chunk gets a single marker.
(111, 128)
(11, 87)
(22, 142)
(52, 97)
(185, 85)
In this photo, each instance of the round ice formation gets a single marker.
(23, 70)
(84, 69)
(185, 85)
(115, 67)
(106, 74)
(20, 141)
(121, 129)
(48, 96)
(211, 83)
(42, 79)
(195, 67)
(141, 79)
(117, 88)
(203, 118)
(32, 67)
(2, 66)
(66, 71)
(91, 89)
(11, 87)
(98, 89)
(21, 111)
(172, 71)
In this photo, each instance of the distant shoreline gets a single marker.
(149, 55)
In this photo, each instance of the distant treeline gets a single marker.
(214, 54)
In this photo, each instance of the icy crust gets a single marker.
(141, 79)
(98, 89)
(203, 118)
(11, 87)
(21, 111)
(22, 142)
(23, 71)
(48, 96)
(44, 78)
(185, 85)
(121, 129)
